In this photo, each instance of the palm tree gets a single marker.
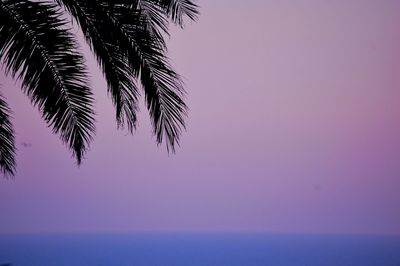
(127, 37)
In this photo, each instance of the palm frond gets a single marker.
(37, 48)
(7, 140)
(114, 64)
(162, 85)
(127, 28)
(177, 10)
(154, 19)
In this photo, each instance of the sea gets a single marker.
(198, 249)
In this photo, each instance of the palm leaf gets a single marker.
(176, 10)
(155, 21)
(113, 61)
(162, 85)
(37, 48)
(127, 28)
(7, 140)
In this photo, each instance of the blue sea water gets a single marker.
(198, 249)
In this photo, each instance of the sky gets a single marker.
(294, 127)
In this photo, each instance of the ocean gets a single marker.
(176, 249)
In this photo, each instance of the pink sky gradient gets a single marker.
(294, 126)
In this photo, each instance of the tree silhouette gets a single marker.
(127, 37)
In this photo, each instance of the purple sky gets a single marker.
(294, 127)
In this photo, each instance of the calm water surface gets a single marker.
(198, 249)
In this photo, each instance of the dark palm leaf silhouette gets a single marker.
(127, 38)
(7, 143)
